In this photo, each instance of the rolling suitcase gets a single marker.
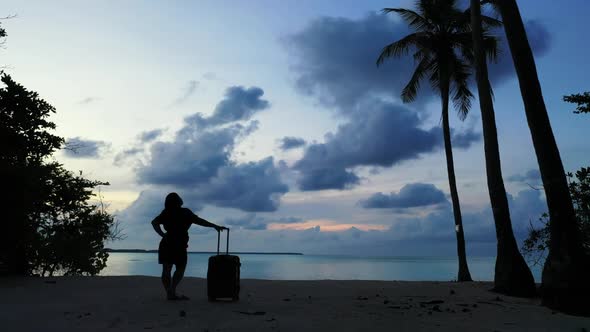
(223, 274)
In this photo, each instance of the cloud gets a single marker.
(77, 147)
(250, 221)
(193, 158)
(334, 59)
(88, 100)
(127, 154)
(253, 222)
(288, 143)
(197, 163)
(288, 220)
(210, 76)
(239, 104)
(526, 208)
(199, 159)
(189, 91)
(532, 176)
(540, 40)
(376, 135)
(253, 187)
(150, 135)
(327, 178)
(410, 195)
(144, 138)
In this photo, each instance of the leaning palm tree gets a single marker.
(566, 273)
(512, 274)
(441, 41)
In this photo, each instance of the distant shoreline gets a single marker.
(145, 251)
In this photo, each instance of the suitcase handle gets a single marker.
(227, 243)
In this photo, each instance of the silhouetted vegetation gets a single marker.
(50, 226)
(512, 276)
(582, 100)
(536, 245)
(3, 33)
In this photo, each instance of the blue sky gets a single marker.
(270, 117)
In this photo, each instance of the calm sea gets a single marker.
(314, 267)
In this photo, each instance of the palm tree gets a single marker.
(566, 273)
(441, 36)
(512, 274)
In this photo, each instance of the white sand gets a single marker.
(138, 304)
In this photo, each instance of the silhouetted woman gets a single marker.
(172, 251)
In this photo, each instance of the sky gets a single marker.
(271, 117)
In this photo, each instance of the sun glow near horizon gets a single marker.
(326, 225)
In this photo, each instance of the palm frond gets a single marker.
(488, 22)
(435, 76)
(398, 48)
(441, 40)
(462, 96)
(463, 43)
(413, 19)
(491, 47)
(411, 89)
(420, 54)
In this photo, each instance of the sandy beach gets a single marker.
(137, 303)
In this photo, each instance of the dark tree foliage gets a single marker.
(49, 224)
(71, 232)
(536, 245)
(582, 100)
(3, 31)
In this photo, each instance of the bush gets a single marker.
(50, 224)
(536, 245)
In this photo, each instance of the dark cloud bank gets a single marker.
(77, 147)
(150, 135)
(289, 143)
(532, 177)
(334, 62)
(378, 134)
(200, 158)
(335, 59)
(411, 195)
(239, 104)
(188, 92)
(198, 163)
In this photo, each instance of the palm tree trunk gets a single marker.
(566, 273)
(512, 275)
(464, 274)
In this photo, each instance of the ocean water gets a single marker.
(316, 267)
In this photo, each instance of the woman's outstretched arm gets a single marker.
(202, 222)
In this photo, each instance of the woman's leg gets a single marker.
(166, 279)
(178, 274)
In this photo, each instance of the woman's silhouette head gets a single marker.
(173, 201)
